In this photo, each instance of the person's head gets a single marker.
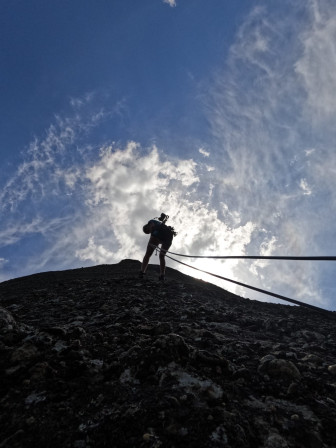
(147, 228)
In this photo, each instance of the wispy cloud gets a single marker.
(43, 157)
(317, 64)
(14, 231)
(264, 111)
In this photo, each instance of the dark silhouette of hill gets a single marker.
(96, 357)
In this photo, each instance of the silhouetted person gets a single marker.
(160, 234)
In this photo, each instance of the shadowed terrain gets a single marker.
(96, 357)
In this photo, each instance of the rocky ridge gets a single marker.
(96, 357)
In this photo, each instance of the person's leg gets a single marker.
(149, 252)
(162, 255)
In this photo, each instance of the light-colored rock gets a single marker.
(332, 369)
(7, 321)
(275, 441)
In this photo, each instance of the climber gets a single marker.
(160, 234)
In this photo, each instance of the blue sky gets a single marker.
(221, 114)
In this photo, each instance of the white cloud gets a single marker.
(98, 254)
(308, 152)
(129, 187)
(171, 3)
(305, 187)
(204, 152)
(127, 174)
(267, 247)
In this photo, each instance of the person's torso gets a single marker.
(161, 231)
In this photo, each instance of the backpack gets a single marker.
(164, 218)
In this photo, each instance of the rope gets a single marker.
(269, 293)
(256, 257)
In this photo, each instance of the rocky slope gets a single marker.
(96, 357)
